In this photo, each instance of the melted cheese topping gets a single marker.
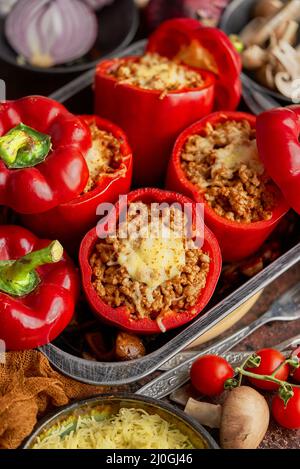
(153, 72)
(234, 155)
(96, 157)
(153, 260)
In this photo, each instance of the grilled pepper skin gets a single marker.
(120, 316)
(70, 221)
(237, 240)
(63, 173)
(38, 317)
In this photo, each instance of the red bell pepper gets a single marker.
(120, 316)
(204, 47)
(237, 240)
(150, 122)
(38, 289)
(69, 222)
(278, 132)
(42, 154)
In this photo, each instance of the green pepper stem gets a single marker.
(24, 147)
(23, 266)
(237, 43)
(19, 277)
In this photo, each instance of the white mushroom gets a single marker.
(265, 76)
(289, 59)
(265, 8)
(290, 33)
(243, 419)
(260, 31)
(254, 57)
(247, 35)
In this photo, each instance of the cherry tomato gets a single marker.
(270, 360)
(295, 373)
(289, 416)
(209, 373)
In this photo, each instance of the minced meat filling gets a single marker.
(153, 72)
(177, 273)
(224, 164)
(104, 157)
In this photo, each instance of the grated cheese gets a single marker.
(130, 428)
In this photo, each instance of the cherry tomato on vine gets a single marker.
(289, 416)
(295, 373)
(270, 360)
(209, 373)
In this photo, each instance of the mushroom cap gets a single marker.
(245, 419)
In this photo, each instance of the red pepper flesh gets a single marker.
(63, 174)
(39, 317)
(69, 222)
(120, 316)
(152, 123)
(237, 240)
(278, 132)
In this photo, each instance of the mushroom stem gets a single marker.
(243, 419)
(290, 32)
(206, 414)
(290, 12)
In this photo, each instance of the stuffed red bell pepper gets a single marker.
(186, 71)
(38, 289)
(110, 171)
(42, 154)
(216, 162)
(186, 40)
(278, 132)
(147, 267)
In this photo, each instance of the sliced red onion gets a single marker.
(97, 4)
(6, 6)
(51, 32)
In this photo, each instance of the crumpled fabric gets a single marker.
(29, 388)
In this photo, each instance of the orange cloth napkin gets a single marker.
(29, 387)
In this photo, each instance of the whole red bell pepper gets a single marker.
(185, 39)
(278, 132)
(150, 122)
(120, 316)
(237, 240)
(38, 289)
(42, 154)
(70, 221)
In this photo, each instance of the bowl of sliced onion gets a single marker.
(62, 36)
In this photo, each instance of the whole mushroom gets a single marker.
(243, 419)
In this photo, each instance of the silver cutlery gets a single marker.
(285, 308)
(181, 395)
(235, 358)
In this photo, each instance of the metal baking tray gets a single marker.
(78, 97)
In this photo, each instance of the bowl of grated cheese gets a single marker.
(119, 422)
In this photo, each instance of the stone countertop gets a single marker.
(267, 336)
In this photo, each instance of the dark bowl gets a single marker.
(118, 24)
(197, 434)
(235, 18)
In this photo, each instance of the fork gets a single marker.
(285, 308)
